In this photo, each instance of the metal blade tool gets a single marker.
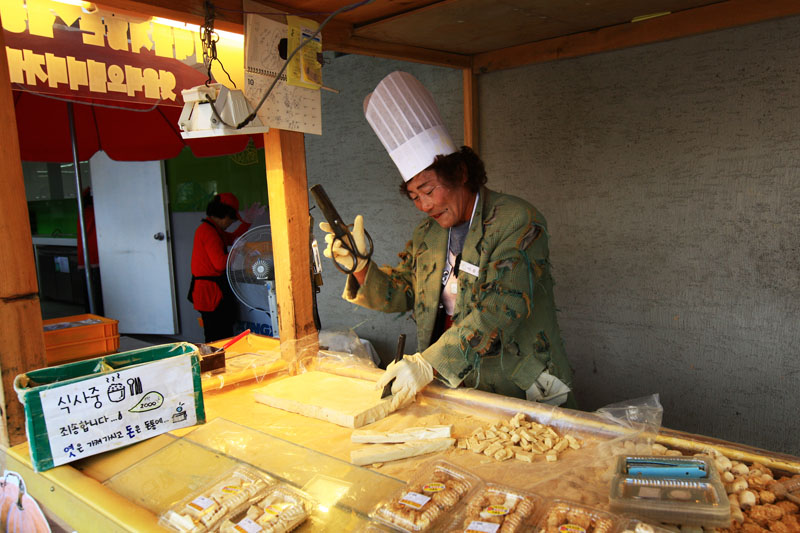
(401, 346)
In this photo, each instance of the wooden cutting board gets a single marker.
(347, 402)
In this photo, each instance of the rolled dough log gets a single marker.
(401, 435)
(381, 453)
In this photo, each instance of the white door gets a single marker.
(133, 243)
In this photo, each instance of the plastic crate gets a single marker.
(79, 337)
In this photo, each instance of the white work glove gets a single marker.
(341, 255)
(410, 374)
(252, 213)
(547, 389)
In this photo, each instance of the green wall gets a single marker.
(192, 182)
(54, 218)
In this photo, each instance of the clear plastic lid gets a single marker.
(495, 508)
(282, 509)
(223, 497)
(562, 516)
(434, 490)
(676, 501)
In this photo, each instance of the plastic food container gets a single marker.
(436, 488)
(566, 517)
(282, 509)
(676, 501)
(495, 508)
(223, 498)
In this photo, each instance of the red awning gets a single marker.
(120, 129)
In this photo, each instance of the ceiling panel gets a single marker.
(475, 26)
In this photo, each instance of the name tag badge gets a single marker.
(469, 268)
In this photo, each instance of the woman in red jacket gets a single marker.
(209, 291)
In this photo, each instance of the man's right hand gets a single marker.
(411, 374)
(342, 255)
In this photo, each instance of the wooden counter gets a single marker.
(126, 489)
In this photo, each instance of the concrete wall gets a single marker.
(668, 174)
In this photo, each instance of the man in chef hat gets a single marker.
(476, 273)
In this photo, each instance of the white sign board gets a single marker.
(118, 409)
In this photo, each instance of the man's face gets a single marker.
(447, 206)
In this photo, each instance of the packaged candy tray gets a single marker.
(435, 489)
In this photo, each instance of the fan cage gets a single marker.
(251, 268)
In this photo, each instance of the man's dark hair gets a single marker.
(449, 167)
(220, 210)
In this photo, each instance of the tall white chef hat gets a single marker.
(405, 118)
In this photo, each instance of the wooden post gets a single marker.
(470, 108)
(287, 187)
(21, 335)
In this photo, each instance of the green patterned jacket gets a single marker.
(507, 311)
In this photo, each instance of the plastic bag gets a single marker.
(347, 347)
(314, 351)
(640, 414)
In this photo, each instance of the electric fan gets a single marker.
(251, 273)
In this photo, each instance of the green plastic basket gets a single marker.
(132, 396)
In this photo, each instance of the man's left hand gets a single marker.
(547, 389)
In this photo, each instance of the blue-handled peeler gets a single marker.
(678, 468)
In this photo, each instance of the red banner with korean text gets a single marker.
(91, 52)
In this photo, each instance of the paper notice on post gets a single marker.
(266, 45)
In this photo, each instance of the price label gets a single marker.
(415, 500)
(247, 526)
(476, 526)
(434, 487)
(276, 508)
(201, 503)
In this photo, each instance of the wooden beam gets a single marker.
(471, 130)
(21, 335)
(369, 47)
(287, 188)
(337, 36)
(228, 16)
(704, 19)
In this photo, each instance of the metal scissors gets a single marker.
(341, 231)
